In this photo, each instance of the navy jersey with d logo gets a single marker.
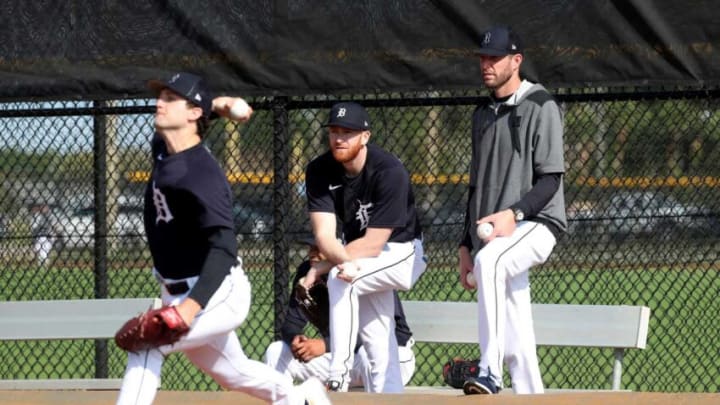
(187, 196)
(379, 197)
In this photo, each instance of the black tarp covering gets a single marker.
(108, 48)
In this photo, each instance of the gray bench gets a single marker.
(67, 319)
(619, 327)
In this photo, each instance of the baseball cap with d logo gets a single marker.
(499, 41)
(349, 115)
(189, 86)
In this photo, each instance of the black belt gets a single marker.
(181, 287)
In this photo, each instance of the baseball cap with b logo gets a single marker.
(349, 115)
(189, 86)
(499, 41)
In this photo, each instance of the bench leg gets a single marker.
(617, 368)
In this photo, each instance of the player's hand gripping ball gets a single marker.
(240, 110)
(470, 280)
(348, 271)
(484, 230)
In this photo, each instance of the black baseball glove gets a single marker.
(314, 303)
(457, 370)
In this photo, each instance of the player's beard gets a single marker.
(499, 79)
(347, 154)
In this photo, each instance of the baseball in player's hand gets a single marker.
(503, 223)
(348, 271)
(234, 108)
(485, 230)
(467, 280)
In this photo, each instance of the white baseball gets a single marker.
(484, 230)
(470, 280)
(240, 110)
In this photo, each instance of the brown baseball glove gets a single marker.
(156, 327)
(314, 303)
(457, 370)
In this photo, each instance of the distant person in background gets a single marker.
(43, 232)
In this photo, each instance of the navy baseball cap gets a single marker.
(189, 86)
(499, 41)
(349, 115)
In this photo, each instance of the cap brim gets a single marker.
(346, 126)
(156, 85)
(492, 52)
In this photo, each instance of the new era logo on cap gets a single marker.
(191, 87)
(349, 115)
(499, 41)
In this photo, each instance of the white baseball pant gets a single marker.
(213, 346)
(506, 332)
(279, 356)
(367, 306)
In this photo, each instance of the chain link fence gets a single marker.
(642, 192)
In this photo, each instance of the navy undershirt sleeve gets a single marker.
(537, 198)
(467, 239)
(217, 265)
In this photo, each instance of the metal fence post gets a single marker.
(281, 204)
(100, 242)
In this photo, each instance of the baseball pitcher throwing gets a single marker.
(204, 290)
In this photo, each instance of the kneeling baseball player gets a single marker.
(301, 357)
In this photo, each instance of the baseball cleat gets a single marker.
(334, 386)
(480, 385)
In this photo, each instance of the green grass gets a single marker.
(680, 356)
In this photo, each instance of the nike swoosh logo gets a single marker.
(331, 187)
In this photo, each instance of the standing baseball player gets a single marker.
(516, 175)
(301, 357)
(205, 293)
(368, 191)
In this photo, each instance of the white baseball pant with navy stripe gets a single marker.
(366, 306)
(211, 345)
(506, 332)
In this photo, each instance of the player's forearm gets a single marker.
(321, 267)
(332, 249)
(371, 244)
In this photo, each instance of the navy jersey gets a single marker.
(186, 200)
(379, 197)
